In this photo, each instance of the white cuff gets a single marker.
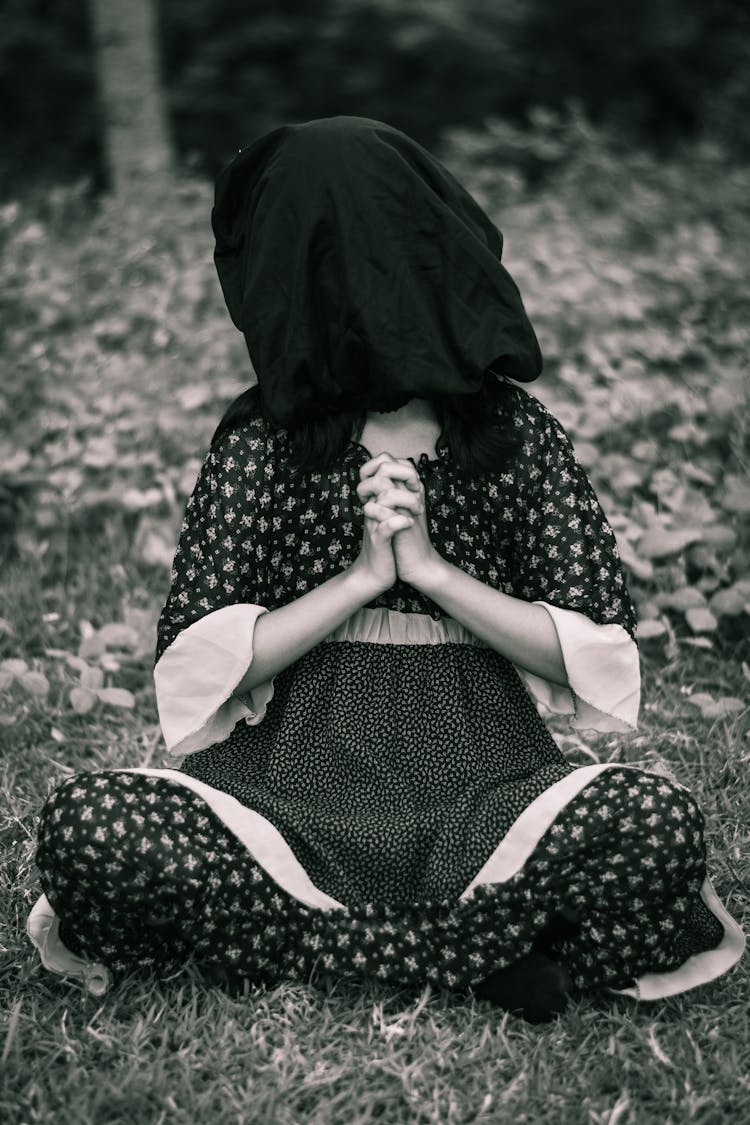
(604, 676)
(43, 928)
(196, 676)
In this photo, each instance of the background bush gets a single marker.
(656, 73)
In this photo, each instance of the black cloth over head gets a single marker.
(362, 273)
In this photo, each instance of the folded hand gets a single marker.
(391, 486)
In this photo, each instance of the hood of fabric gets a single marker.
(362, 273)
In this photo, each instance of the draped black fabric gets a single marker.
(362, 273)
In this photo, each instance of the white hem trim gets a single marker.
(603, 671)
(43, 929)
(701, 967)
(197, 674)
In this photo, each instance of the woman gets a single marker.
(390, 555)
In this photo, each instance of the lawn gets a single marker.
(118, 359)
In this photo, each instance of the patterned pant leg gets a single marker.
(142, 873)
(121, 854)
(628, 857)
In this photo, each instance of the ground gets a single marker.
(118, 359)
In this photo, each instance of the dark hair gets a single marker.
(478, 428)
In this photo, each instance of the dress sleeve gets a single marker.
(218, 590)
(566, 559)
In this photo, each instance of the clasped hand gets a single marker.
(393, 500)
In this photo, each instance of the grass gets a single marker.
(179, 1051)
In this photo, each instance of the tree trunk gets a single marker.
(137, 138)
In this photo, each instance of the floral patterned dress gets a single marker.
(392, 803)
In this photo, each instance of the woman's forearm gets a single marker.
(522, 632)
(284, 635)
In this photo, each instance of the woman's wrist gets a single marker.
(362, 584)
(434, 577)
(283, 635)
(522, 632)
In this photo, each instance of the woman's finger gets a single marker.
(373, 486)
(401, 471)
(388, 466)
(400, 498)
(388, 528)
(397, 494)
(374, 510)
(388, 474)
(374, 464)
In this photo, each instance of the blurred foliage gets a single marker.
(119, 358)
(47, 91)
(232, 69)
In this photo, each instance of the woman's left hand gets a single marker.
(391, 486)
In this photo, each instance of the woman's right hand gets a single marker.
(376, 559)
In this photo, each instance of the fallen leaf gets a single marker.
(706, 560)
(136, 499)
(81, 700)
(116, 697)
(626, 480)
(664, 482)
(113, 635)
(719, 535)
(194, 395)
(729, 602)
(701, 699)
(118, 635)
(646, 450)
(660, 542)
(688, 432)
(656, 1049)
(14, 665)
(641, 568)
(100, 452)
(91, 678)
(156, 551)
(586, 453)
(188, 473)
(35, 683)
(90, 646)
(687, 597)
(701, 620)
(650, 628)
(727, 705)
(696, 473)
(736, 498)
(712, 708)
